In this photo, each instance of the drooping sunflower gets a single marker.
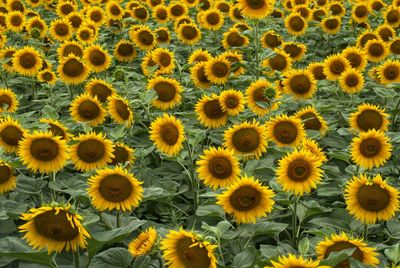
(295, 24)
(376, 50)
(231, 101)
(335, 243)
(281, 61)
(334, 66)
(11, 134)
(124, 51)
(188, 33)
(165, 60)
(256, 9)
(72, 70)
(292, 261)
(271, 39)
(92, 151)
(295, 50)
(144, 38)
(96, 15)
(247, 200)
(100, 89)
(371, 149)
(70, 47)
(114, 189)
(120, 110)
(312, 119)
(262, 97)
(356, 57)
(246, 139)
(54, 228)
(234, 39)
(217, 70)
(122, 154)
(299, 172)
(36, 27)
(351, 81)
(212, 19)
(56, 128)
(167, 132)
(300, 83)
(317, 69)
(8, 181)
(370, 200)
(369, 116)
(61, 30)
(312, 146)
(285, 130)
(386, 32)
(209, 112)
(199, 55)
(43, 152)
(186, 249)
(96, 58)
(15, 21)
(143, 244)
(217, 167)
(27, 61)
(88, 109)
(168, 92)
(331, 24)
(389, 72)
(162, 35)
(8, 100)
(198, 75)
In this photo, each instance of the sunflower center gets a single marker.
(237, 14)
(220, 167)
(376, 50)
(245, 198)
(393, 16)
(395, 46)
(11, 135)
(88, 110)
(66, 9)
(141, 13)
(319, 73)
(55, 227)
(351, 80)
(373, 197)
(125, 49)
(331, 24)
(341, 245)
(213, 109)
(169, 134)
(299, 170)
(61, 29)
(122, 109)
(165, 91)
(189, 32)
(213, 18)
(377, 5)
(162, 14)
(74, 49)
(101, 91)
(259, 95)
(369, 119)
(162, 35)
(220, 69)
(370, 147)
(5, 100)
(318, 15)
(115, 188)
(232, 102)
(146, 38)
(296, 23)
(337, 67)
(192, 256)
(391, 72)
(285, 132)
(96, 16)
(272, 40)
(354, 59)
(91, 151)
(366, 38)
(311, 121)
(300, 84)
(97, 57)
(5, 173)
(85, 35)
(201, 75)
(76, 21)
(278, 62)
(47, 76)
(293, 50)
(27, 60)
(256, 4)
(44, 149)
(361, 11)
(336, 9)
(165, 59)
(385, 34)
(246, 140)
(73, 68)
(16, 20)
(121, 155)
(177, 10)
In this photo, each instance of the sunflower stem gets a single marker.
(365, 235)
(160, 260)
(119, 219)
(294, 223)
(75, 256)
(257, 48)
(193, 187)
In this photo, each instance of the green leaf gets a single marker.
(337, 257)
(113, 257)
(393, 253)
(263, 228)
(304, 245)
(210, 210)
(245, 259)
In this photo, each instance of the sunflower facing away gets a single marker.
(114, 189)
(168, 92)
(143, 244)
(369, 116)
(371, 199)
(183, 249)
(371, 149)
(8, 181)
(8, 100)
(209, 112)
(311, 119)
(299, 172)
(300, 83)
(285, 130)
(120, 110)
(292, 261)
(262, 97)
(232, 101)
(87, 109)
(54, 228)
(11, 134)
(247, 200)
(167, 133)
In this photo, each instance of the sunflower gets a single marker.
(369, 117)
(198, 75)
(34, 3)
(295, 50)
(100, 89)
(336, 9)
(334, 66)
(371, 149)
(246, 139)
(167, 132)
(140, 13)
(312, 119)
(15, 5)
(36, 27)
(223, 6)
(285, 131)
(377, 5)
(15, 21)
(366, 36)
(255, 9)
(231, 101)
(280, 61)
(11, 134)
(96, 58)
(217, 167)
(120, 110)
(292, 261)
(54, 228)
(392, 16)
(114, 189)
(27, 61)
(86, 35)
(336, 243)
(75, 19)
(318, 14)
(356, 57)
(154, 3)
(162, 35)
(96, 15)
(235, 13)
(64, 8)
(144, 38)
(395, 46)
(124, 51)
(235, 60)
(8, 181)
(43, 152)
(143, 244)
(271, 39)
(56, 128)
(61, 30)
(331, 24)
(217, 70)
(122, 154)
(70, 47)
(247, 200)
(88, 109)
(188, 33)
(389, 72)
(299, 172)
(8, 101)
(300, 83)
(165, 60)
(295, 24)
(376, 50)
(262, 98)
(317, 69)
(160, 14)
(186, 249)
(233, 39)
(312, 146)
(113, 10)
(199, 55)
(72, 70)
(351, 81)
(209, 112)
(360, 12)
(168, 92)
(212, 19)
(177, 10)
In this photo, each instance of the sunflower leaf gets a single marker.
(113, 257)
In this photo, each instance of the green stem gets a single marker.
(160, 260)
(220, 251)
(119, 219)
(76, 258)
(257, 48)
(294, 223)
(192, 181)
(365, 235)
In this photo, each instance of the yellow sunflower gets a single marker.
(233, 39)
(360, 12)
(295, 50)
(386, 32)
(336, 243)
(160, 14)
(100, 89)
(356, 57)
(236, 13)
(124, 51)
(54, 228)
(377, 5)
(96, 15)
(292, 261)
(114, 189)
(8, 181)
(392, 16)
(168, 92)
(209, 112)
(351, 81)
(217, 70)
(376, 50)
(231, 101)
(27, 61)
(86, 35)
(256, 9)
(217, 167)
(144, 38)
(122, 154)
(317, 69)
(165, 60)
(56, 128)
(70, 47)
(235, 59)
(371, 149)
(262, 97)
(389, 72)
(8, 101)
(199, 55)
(11, 134)
(168, 134)
(395, 46)
(75, 19)
(366, 36)
(312, 146)
(370, 200)
(96, 58)
(120, 110)
(285, 131)
(188, 33)
(212, 19)
(61, 30)
(246, 139)
(280, 61)
(369, 116)
(140, 13)
(331, 24)
(271, 39)
(36, 27)
(143, 244)
(336, 8)
(15, 21)
(295, 24)
(300, 83)
(114, 10)
(91, 151)
(247, 200)
(186, 249)
(162, 35)
(88, 109)
(334, 66)
(312, 119)
(72, 70)
(64, 8)
(198, 75)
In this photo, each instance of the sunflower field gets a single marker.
(199, 133)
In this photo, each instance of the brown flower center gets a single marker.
(44, 149)
(256, 4)
(125, 50)
(311, 121)
(115, 10)
(91, 150)
(73, 68)
(361, 11)
(299, 170)
(88, 110)
(369, 119)
(115, 188)
(16, 20)
(393, 16)
(166, 91)
(376, 50)
(162, 14)
(146, 38)
(395, 47)
(11, 135)
(232, 102)
(385, 34)
(213, 109)
(96, 16)
(391, 72)
(101, 91)
(377, 5)
(220, 167)
(220, 69)
(278, 62)
(246, 140)
(367, 37)
(285, 132)
(354, 59)
(189, 32)
(318, 73)
(57, 131)
(300, 84)
(141, 13)
(192, 256)
(5, 101)
(165, 59)
(122, 109)
(169, 134)
(61, 29)
(272, 40)
(373, 197)
(177, 10)
(162, 36)
(97, 57)
(293, 50)
(121, 155)
(296, 23)
(67, 8)
(337, 67)
(336, 9)
(332, 24)
(370, 147)
(213, 18)
(55, 226)
(352, 80)
(27, 60)
(74, 49)
(245, 198)
(5, 173)
(341, 245)
(201, 75)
